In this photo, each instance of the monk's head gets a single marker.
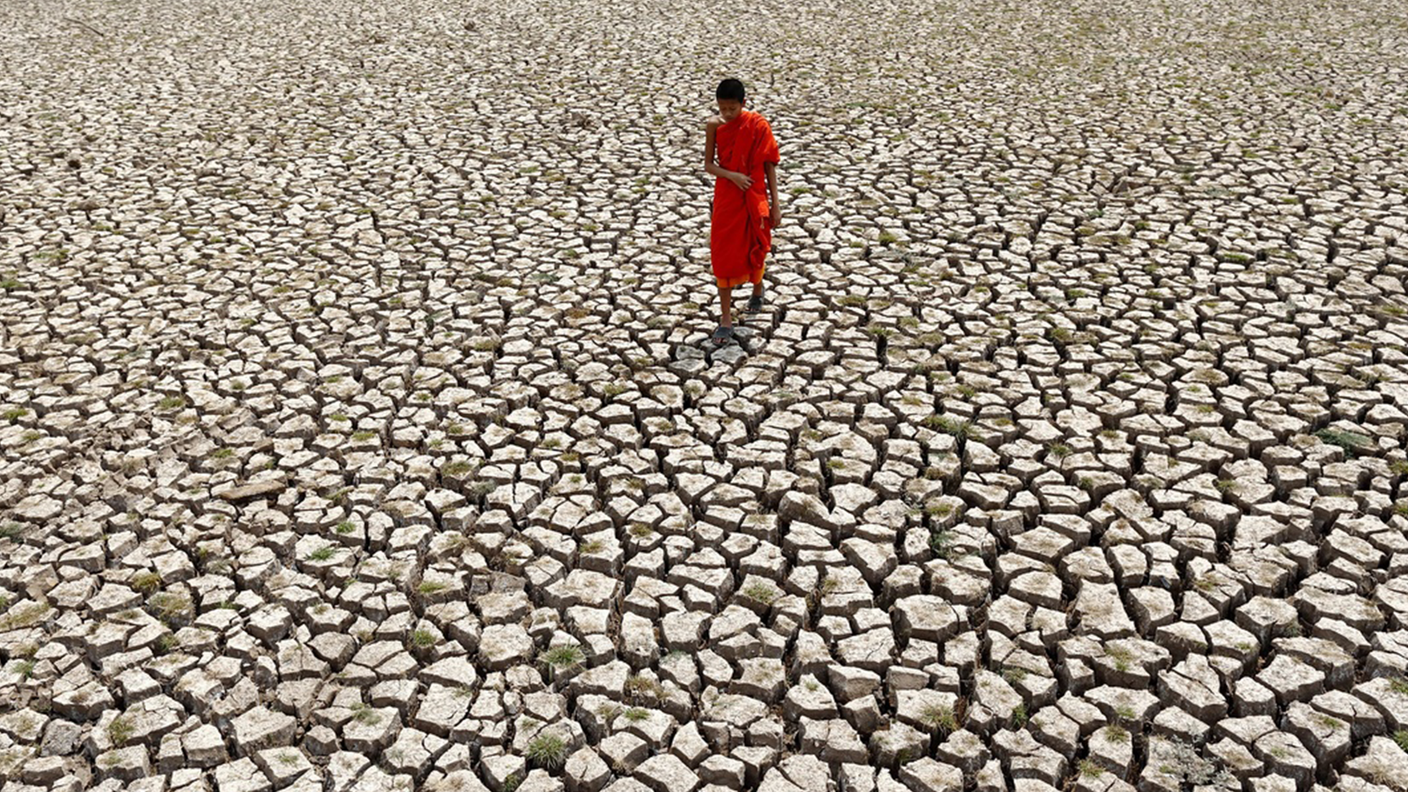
(730, 96)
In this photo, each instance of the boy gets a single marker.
(745, 211)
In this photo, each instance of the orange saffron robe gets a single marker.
(740, 228)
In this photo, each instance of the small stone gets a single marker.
(252, 491)
(260, 728)
(666, 773)
(928, 775)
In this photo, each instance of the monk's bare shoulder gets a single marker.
(713, 123)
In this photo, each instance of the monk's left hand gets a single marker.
(775, 215)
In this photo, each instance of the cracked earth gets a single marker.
(361, 430)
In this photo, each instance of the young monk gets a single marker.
(739, 150)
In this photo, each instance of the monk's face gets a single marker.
(729, 109)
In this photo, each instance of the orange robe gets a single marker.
(740, 228)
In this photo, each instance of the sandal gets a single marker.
(722, 335)
(755, 304)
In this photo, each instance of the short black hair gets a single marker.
(730, 89)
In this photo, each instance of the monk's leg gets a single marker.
(725, 304)
(755, 303)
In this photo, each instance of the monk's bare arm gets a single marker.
(710, 166)
(770, 172)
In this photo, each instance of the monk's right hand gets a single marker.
(742, 180)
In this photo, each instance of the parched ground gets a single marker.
(361, 431)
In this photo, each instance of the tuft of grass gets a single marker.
(1089, 769)
(1351, 442)
(457, 468)
(145, 582)
(940, 423)
(346, 527)
(1398, 685)
(170, 606)
(941, 543)
(364, 713)
(762, 592)
(562, 657)
(323, 553)
(1058, 450)
(119, 731)
(431, 587)
(939, 509)
(640, 687)
(547, 751)
(1327, 721)
(937, 716)
(422, 639)
(171, 403)
(1401, 737)
(636, 714)
(1019, 716)
(165, 644)
(20, 618)
(23, 668)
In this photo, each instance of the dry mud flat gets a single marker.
(360, 429)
